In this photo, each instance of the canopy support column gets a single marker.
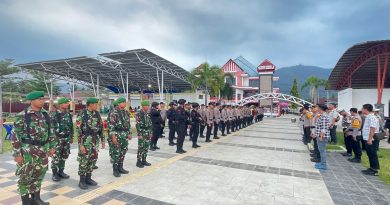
(381, 77)
(93, 85)
(123, 85)
(158, 82)
(162, 87)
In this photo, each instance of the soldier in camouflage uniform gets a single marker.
(90, 130)
(33, 142)
(144, 130)
(119, 134)
(63, 128)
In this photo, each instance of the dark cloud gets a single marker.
(188, 32)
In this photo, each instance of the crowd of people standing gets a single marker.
(361, 130)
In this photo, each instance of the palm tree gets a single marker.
(211, 78)
(314, 83)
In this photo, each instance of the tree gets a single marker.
(227, 91)
(210, 78)
(294, 92)
(38, 82)
(314, 84)
(6, 69)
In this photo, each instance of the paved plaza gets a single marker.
(265, 163)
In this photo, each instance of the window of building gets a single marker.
(230, 80)
(254, 83)
(200, 97)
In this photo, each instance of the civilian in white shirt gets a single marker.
(334, 118)
(370, 136)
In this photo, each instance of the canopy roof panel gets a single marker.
(358, 67)
(111, 70)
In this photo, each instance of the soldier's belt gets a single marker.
(34, 142)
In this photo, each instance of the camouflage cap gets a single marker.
(35, 95)
(92, 100)
(62, 101)
(145, 103)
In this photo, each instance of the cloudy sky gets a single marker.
(288, 32)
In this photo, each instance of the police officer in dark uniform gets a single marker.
(171, 123)
(187, 108)
(156, 124)
(195, 122)
(181, 120)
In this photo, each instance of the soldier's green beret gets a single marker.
(120, 100)
(62, 101)
(35, 95)
(115, 103)
(145, 103)
(92, 100)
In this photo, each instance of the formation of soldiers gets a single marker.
(39, 135)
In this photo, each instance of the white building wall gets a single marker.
(358, 97)
(245, 81)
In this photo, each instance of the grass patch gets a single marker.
(340, 142)
(333, 147)
(384, 161)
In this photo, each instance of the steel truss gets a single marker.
(280, 96)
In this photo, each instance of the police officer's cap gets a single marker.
(217, 104)
(210, 103)
(154, 104)
(202, 105)
(172, 103)
(35, 95)
(182, 101)
(195, 105)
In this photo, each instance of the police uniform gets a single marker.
(171, 123)
(120, 130)
(63, 128)
(209, 122)
(224, 120)
(156, 123)
(195, 122)
(202, 113)
(90, 130)
(32, 138)
(181, 126)
(217, 120)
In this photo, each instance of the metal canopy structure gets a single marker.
(363, 65)
(132, 70)
(280, 96)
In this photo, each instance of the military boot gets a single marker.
(36, 199)
(121, 170)
(82, 183)
(26, 200)
(62, 174)
(139, 164)
(145, 163)
(55, 176)
(90, 181)
(115, 170)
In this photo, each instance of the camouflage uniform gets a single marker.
(119, 126)
(144, 130)
(32, 142)
(63, 128)
(90, 129)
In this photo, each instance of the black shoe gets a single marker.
(195, 146)
(366, 171)
(155, 147)
(121, 170)
(216, 138)
(62, 174)
(172, 144)
(95, 167)
(82, 183)
(55, 176)
(346, 154)
(208, 141)
(145, 163)
(371, 172)
(139, 164)
(315, 160)
(229, 133)
(115, 171)
(89, 180)
(162, 136)
(202, 136)
(224, 135)
(152, 148)
(36, 199)
(26, 199)
(180, 151)
(354, 160)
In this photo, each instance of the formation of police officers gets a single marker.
(38, 135)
